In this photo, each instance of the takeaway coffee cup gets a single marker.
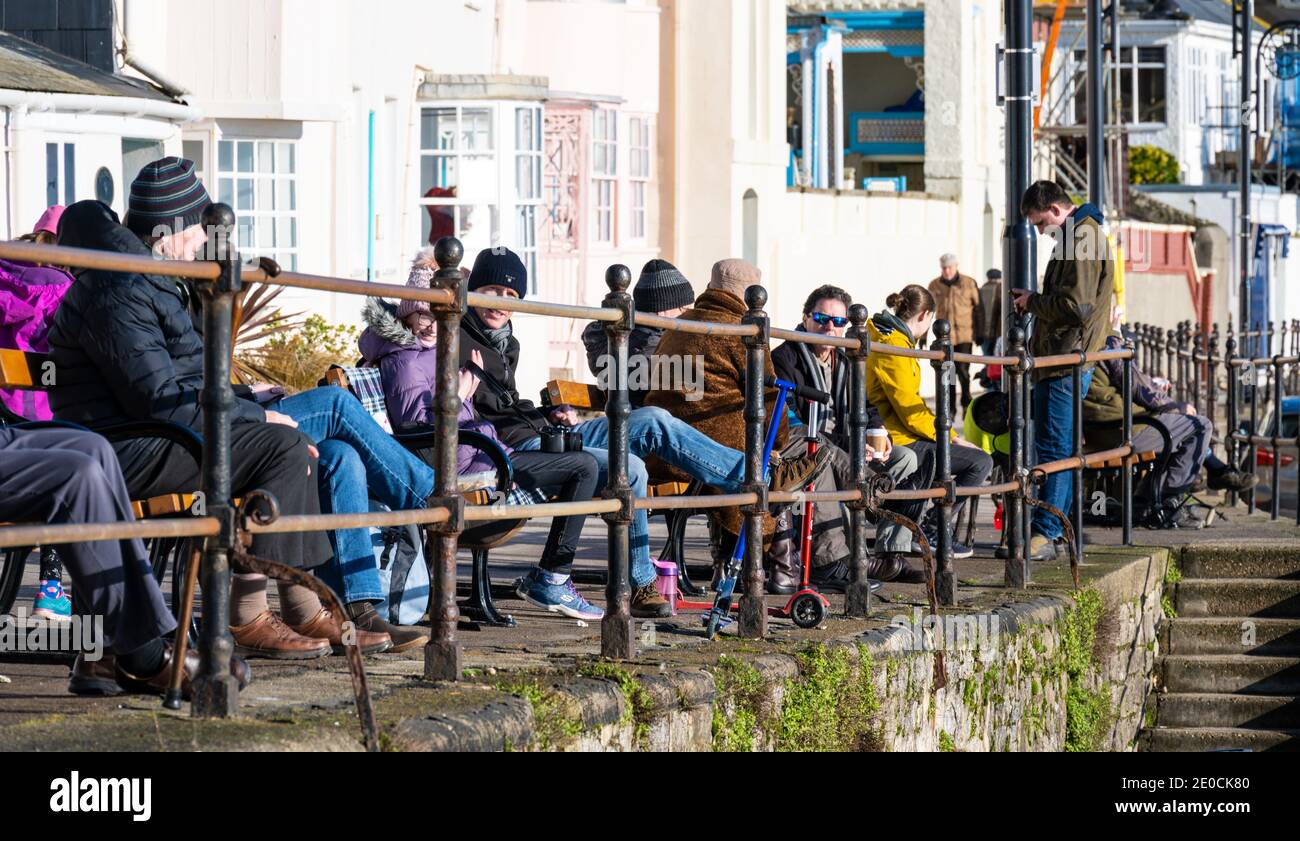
(878, 440)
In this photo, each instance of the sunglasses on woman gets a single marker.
(822, 319)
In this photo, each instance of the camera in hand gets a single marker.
(558, 439)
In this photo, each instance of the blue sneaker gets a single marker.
(52, 603)
(557, 598)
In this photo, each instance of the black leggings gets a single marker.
(569, 477)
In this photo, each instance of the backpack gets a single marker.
(403, 571)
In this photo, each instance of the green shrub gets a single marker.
(1151, 165)
(298, 359)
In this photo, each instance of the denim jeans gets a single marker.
(1053, 440)
(359, 461)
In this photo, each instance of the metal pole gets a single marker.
(442, 651)
(1275, 500)
(945, 578)
(1076, 373)
(1017, 569)
(1019, 238)
(1171, 356)
(1243, 165)
(1198, 357)
(753, 610)
(1096, 112)
(617, 633)
(1252, 449)
(857, 599)
(1126, 472)
(1212, 383)
(216, 692)
(1234, 397)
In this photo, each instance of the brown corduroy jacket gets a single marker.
(719, 411)
(959, 305)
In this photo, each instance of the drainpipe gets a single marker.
(370, 196)
(133, 61)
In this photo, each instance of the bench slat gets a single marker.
(577, 395)
(21, 370)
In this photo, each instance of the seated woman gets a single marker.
(402, 343)
(126, 348)
(68, 476)
(894, 388)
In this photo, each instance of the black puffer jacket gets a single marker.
(641, 344)
(124, 345)
(492, 407)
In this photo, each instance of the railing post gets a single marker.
(1252, 449)
(1076, 512)
(1275, 498)
(1182, 377)
(857, 598)
(753, 610)
(442, 651)
(1126, 474)
(617, 629)
(1212, 383)
(1171, 358)
(1198, 354)
(1234, 397)
(1269, 347)
(216, 692)
(945, 578)
(1017, 569)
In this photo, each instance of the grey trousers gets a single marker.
(1190, 435)
(830, 541)
(63, 476)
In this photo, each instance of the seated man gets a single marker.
(827, 369)
(894, 386)
(499, 272)
(67, 476)
(1180, 418)
(126, 348)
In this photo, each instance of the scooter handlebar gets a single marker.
(808, 393)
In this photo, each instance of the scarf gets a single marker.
(499, 338)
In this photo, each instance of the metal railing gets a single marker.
(1199, 375)
(225, 529)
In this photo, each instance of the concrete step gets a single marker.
(1231, 674)
(1238, 597)
(1238, 561)
(1251, 712)
(1213, 635)
(1219, 738)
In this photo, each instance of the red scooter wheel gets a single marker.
(807, 610)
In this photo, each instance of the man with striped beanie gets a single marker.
(165, 208)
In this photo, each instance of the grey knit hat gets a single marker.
(662, 287)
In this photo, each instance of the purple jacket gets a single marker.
(29, 295)
(409, 372)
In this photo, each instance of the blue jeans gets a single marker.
(359, 461)
(1053, 440)
(653, 431)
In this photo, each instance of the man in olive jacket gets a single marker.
(1071, 313)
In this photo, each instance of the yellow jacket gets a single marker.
(894, 384)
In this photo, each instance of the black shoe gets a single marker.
(836, 578)
(959, 550)
(893, 567)
(1232, 480)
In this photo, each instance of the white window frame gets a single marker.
(282, 185)
(604, 177)
(1129, 61)
(515, 214)
(65, 176)
(640, 143)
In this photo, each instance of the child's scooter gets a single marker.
(806, 607)
(721, 609)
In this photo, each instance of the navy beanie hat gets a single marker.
(166, 198)
(499, 267)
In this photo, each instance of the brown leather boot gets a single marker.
(404, 637)
(269, 638)
(784, 569)
(326, 626)
(94, 678)
(159, 683)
